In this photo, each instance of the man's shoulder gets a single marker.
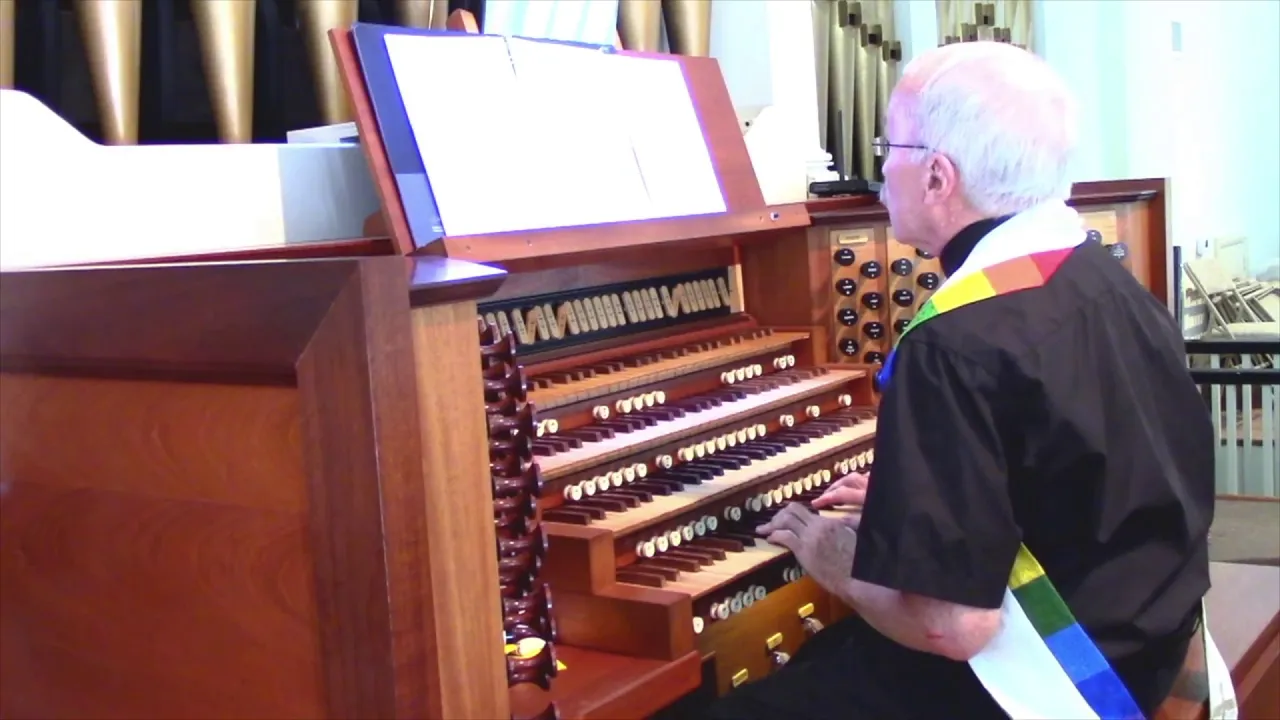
(998, 333)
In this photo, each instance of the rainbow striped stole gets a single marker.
(1079, 657)
(1010, 276)
(1081, 660)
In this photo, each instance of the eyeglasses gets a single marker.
(880, 147)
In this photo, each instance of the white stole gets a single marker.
(1016, 667)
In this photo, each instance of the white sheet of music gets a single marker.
(587, 162)
(666, 135)
(565, 135)
(460, 96)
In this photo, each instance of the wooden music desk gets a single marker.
(1244, 617)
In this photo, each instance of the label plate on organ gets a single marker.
(1105, 223)
(853, 237)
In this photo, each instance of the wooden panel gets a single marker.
(862, 336)
(1140, 206)
(458, 504)
(567, 246)
(372, 246)
(740, 642)
(193, 322)
(173, 547)
(925, 276)
(362, 456)
(786, 284)
(601, 686)
(780, 278)
(1244, 613)
(200, 443)
(152, 533)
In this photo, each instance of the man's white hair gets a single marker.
(1003, 116)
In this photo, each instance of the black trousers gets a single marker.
(851, 672)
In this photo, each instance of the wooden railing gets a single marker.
(1240, 381)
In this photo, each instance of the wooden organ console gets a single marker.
(668, 425)
(514, 475)
(858, 287)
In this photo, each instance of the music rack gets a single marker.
(387, 140)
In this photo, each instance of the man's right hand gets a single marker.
(848, 490)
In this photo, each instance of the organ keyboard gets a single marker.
(664, 425)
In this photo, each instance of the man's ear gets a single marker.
(941, 178)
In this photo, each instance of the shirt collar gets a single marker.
(955, 252)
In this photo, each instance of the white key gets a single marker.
(690, 496)
(595, 453)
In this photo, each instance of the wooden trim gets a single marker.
(375, 152)
(438, 280)
(572, 245)
(383, 519)
(195, 323)
(367, 532)
(1248, 498)
(458, 502)
(355, 247)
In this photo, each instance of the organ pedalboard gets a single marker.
(878, 285)
(668, 427)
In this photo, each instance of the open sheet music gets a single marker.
(565, 134)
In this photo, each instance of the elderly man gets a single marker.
(1034, 537)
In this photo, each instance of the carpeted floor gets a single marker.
(1246, 531)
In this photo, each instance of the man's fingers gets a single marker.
(784, 538)
(793, 517)
(854, 480)
(840, 496)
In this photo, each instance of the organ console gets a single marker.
(863, 286)
(427, 487)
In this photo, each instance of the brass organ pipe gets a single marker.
(866, 49)
(318, 17)
(112, 32)
(841, 97)
(226, 29)
(7, 49)
(688, 26)
(884, 84)
(823, 18)
(430, 14)
(640, 24)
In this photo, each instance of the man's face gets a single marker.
(900, 191)
(916, 206)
